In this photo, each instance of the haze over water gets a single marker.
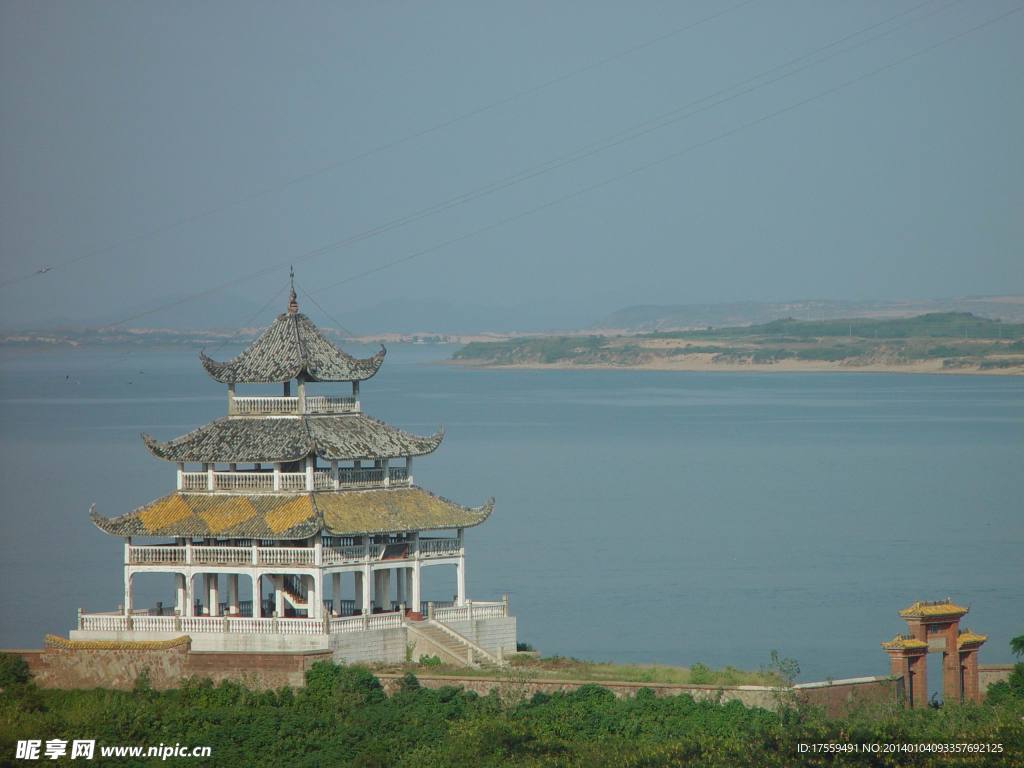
(641, 516)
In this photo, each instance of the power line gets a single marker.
(634, 132)
(672, 156)
(307, 295)
(516, 95)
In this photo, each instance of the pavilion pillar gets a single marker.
(336, 594)
(334, 474)
(257, 596)
(385, 475)
(278, 595)
(302, 393)
(415, 597)
(231, 397)
(211, 477)
(460, 581)
(181, 474)
(233, 594)
(127, 592)
(408, 470)
(400, 585)
(277, 476)
(180, 596)
(190, 596)
(360, 591)
(310, 466)
(367, 605)
(314, 597)
(213, 593)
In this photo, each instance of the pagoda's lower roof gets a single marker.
(293, 516)
(290, 438)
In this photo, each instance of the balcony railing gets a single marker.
(291, 406)
(257, 481)
(227, 555)
(236, 625)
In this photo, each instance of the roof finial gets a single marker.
(293, 303)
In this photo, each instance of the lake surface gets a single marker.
(641, 516)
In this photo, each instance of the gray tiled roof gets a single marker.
(291, 346)
(271, 439)
(293, 516)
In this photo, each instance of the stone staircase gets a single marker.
(451, 647)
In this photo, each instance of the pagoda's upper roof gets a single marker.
(290, 347)
(282, 517)
(272, 439)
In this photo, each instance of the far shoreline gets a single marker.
(927, 367)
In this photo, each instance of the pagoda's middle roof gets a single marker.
(290, 347)
(290, 438)
(294, 516)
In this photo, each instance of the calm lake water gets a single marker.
(641, 516)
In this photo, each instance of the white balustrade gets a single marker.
(193, 481)
(439, 547)
(293, 481)
(243, 481)
(289, 406)
(349, 477)
(252, 481)
(153, 623)
(285, 555)
(263, 406)
(203, 555)
(346, 624)
(340, 555)
(383, 620)
(331, 404)
(473, 610)
(100, 622)
(156, 555)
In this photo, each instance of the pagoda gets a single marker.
(306, 506)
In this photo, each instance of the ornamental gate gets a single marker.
(935, 627)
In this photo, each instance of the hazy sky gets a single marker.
(297, 125)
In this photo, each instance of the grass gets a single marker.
(566, 668)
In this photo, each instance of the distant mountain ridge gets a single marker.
(672, 317)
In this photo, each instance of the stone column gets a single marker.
(257, 596)
(180, 597)
(278, 595)
(310, 467)
(277, 476)
(400, 585)
(460, 575)
(314, 596)
(367, 601)
(190, 596)
(336, 593)
(415, 597)
(127, 591)
(360, 590)
(233, 594)
(214, 594)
